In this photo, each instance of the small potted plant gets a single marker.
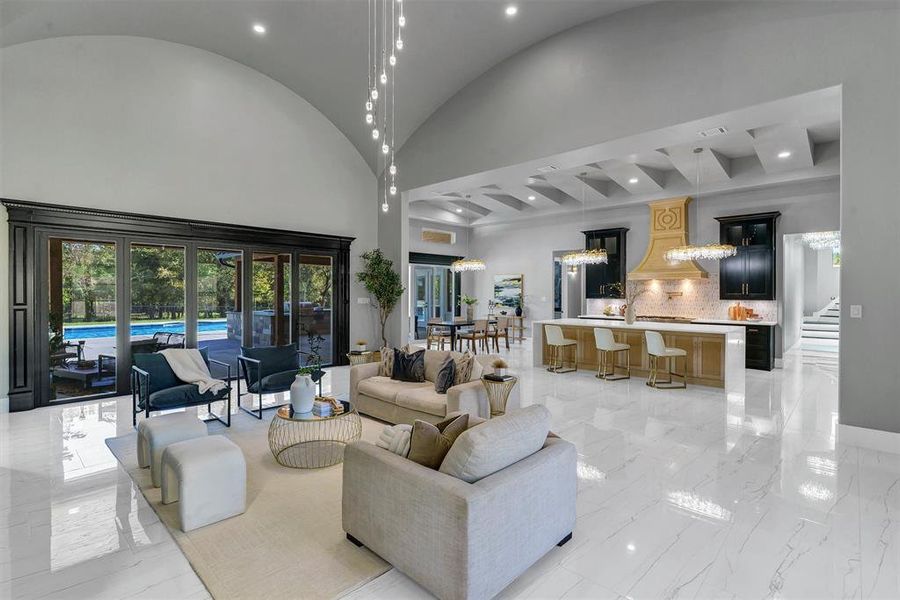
(470, 303)
(500, 367)
(303, 390)
(360, 345)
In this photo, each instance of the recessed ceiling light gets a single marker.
(459, 210)
(633, 180)
(531, 198)
(512, 10)
(259, 28)
(784, 154)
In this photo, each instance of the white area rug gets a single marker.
(289, 543)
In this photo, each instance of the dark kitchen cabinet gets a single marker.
(750, 274)
(759, 346)
(598, 279)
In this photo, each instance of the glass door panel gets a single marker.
(157, 298)
(271, 299)
(219, 319)
(82, 318)
(422, 299)
(316, 295)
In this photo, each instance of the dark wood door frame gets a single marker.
(31, 224)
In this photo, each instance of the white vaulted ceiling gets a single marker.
(317, 48)
(789, 140)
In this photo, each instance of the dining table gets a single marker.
(454, 326)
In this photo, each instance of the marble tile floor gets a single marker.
(682, 494)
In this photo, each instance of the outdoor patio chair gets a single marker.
(154, 387)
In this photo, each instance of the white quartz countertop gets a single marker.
(697, 321)
(644, 325)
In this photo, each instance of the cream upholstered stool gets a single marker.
(656, 348)
(157, 433)
(207, 477)
(559, 346)
(607, 346)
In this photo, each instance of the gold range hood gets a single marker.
(668, 229)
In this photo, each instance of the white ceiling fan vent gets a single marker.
(712, 132)
(547, 169)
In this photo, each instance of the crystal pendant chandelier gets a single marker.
(819, 240)
(381, 72)
(594, 256)
(467, 264)
(707, 252)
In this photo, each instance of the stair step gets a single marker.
(821, 327)
(820, 335)
(822, 319)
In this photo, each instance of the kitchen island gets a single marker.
(715, 353)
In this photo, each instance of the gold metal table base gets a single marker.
(312, 443)
(498, 394)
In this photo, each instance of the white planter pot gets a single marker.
(303, 394)
(500, 372)
(470, 312)
(360, 347)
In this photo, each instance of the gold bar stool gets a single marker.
(558, 346)
(656, 348)
(607, 346)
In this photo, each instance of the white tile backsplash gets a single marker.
(699, 300)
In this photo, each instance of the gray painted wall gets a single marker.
(141, 125)
(794, 289)
(669, 63)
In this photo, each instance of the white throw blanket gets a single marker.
(188, 365)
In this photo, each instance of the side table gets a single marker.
(498, 393)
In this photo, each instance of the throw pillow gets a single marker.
(477, 370)
(463, 368)
(429, 444)
(395, 438)
(387, 362)
(497, 443)
(409, 367)
(445, 377)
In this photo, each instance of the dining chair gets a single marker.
(498, 330)
(477, 335)
(435, 333)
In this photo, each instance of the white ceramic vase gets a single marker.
(470, 312)
(629, 314)
(359, 347)
(303, 394)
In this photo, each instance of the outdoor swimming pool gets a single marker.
(87, 332)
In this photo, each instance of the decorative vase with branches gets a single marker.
(383, 283)
(630, 294)
(470, 303)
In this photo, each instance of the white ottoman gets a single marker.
(207, 476)
(157, 433)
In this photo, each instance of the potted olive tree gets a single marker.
(383, 283)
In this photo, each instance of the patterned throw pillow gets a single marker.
(463, 368)
(446, 376)
(429, 444)
(409, 367)
(387, 362)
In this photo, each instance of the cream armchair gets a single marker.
(404, 402)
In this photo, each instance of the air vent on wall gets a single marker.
(436, 236)
(547, 169)
(713, 132)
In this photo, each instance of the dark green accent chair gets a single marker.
(267, 370)
(155, 387)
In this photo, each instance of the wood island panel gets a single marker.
(704, 364)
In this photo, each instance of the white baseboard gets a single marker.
(4, 405)
(779, 363)
(873, 439)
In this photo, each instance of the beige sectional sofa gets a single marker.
(404, 402)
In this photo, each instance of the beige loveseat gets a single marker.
(503, 497)
(404, 402)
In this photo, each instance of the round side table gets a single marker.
(498, 393)
(305, 441)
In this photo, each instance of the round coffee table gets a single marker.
(305, 441)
